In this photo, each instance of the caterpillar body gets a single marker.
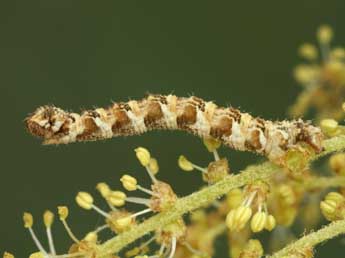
(233, 128)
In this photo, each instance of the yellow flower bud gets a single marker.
(305, 73)
(185, 164)
(153, 166)
(37, 255)
(48, 218)
(230, 222)
(329, 126)
(129, 182)
(28, 220)
(63, 212)
(103, 189)
(270, 223)
(122, 223)
(325, 34)
(238, 218)
(117, 198)
(141, 256)
(337, 163)
(338, 53)
(287, 194)
(143, 156)
(258, 221)
(328, 209)
(211, 143)
(253, 249)
(8, 255)
(334, 196)
(234, 198)
(91, 237)
(84, 200)
(296, 159)
(308, 51)
(242, 216)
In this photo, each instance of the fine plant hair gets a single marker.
(269, 196)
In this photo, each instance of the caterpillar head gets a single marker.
(49, 123)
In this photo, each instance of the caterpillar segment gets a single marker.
(233, 128)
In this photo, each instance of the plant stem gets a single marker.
(331, 230)
(204, 197)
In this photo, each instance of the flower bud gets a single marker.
(8, 255)
(234, 198)
(337, 163)
(48, 218)
(258, 221)
(104, 189)
(129, 182)
(123, 223)
(117, 198)
(91, 237)
(334, 196)
(185, 164)
(37, 255)
(253, 249)
(308, 51)
(270, 223)
(63, 212)
(84, 200)
(325, 34)
(143, 156)
(211, 143)
(153, 166)
(28, 220)
(329, 126)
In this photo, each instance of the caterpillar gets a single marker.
(233, 128)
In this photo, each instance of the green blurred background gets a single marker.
(82, 54)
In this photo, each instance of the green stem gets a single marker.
(202, 198)
(325, 182)
(332, 230)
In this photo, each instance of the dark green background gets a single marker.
(81, 54)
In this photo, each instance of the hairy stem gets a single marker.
(204, 197)
(325, 182)
(328, 232)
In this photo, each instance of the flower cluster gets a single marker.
(323, 82)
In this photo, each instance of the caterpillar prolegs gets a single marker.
(233, 128)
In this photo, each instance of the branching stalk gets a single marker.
(208, 195)
(328, 232)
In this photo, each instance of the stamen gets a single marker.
(28, 223)
(99, 229)
(173, 247)
(63, 213)
(192, 249)
(145, 190)
(248, 201)
(140, 213)
(161, 250)
(152, 176)
(48, 218)
(138, 200)
(69, 231)
(50, 241)
(203, 170)
(37, 242)
(100, 211)
(68, 255)
(216, 155)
